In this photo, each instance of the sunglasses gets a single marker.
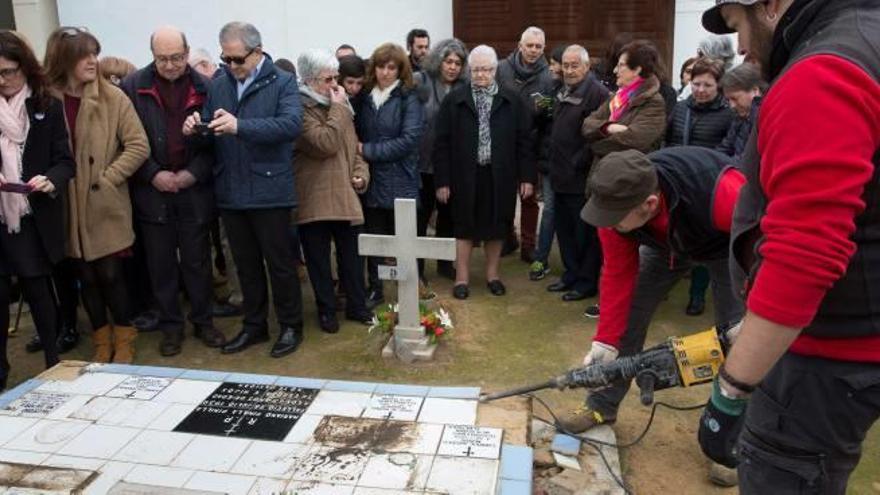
(236, 60)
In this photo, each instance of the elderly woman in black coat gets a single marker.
(36, 167)
(482, 159)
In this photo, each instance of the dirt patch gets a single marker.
(514, 415)
(347, 435)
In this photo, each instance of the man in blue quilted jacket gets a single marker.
(251, 116)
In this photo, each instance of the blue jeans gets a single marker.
(547, 230)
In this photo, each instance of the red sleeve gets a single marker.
(819, 127)
(724, 199)
(617, 283)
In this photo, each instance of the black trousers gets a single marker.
(315, 238)
(137, 274)
(180, 248)
(427, 203)
(65, 279)
(805, 425)
(578, 244)
(104, 289)
(377, 221)
(38, 294)
(260, 241)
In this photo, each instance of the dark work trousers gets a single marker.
(377, 221)
(180, 248)
(38, 294)
(137, 274)
(260, 241)
(805, 425)
(655, 280)
(315, 238)
(64, 277)
(699, 283)
(578, 244)
(104, 289)
(427, 203)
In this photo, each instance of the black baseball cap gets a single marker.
(712, 20)
(618, 183)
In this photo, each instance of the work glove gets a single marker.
(600, 353)
(720, 426)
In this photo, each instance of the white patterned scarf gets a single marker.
(483, 101)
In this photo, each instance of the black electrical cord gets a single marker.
(598, 444)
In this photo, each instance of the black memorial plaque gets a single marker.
(263, 412)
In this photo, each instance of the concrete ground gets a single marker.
(499, 342)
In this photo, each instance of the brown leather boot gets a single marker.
(102, 340)
(123, 344)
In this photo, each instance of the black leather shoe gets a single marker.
(364, 318)
(328, 323)
(226, 310)
(461, 291)
(171, 343)
(34, 345)
(67, 339)
(576, 295)
(287, 342)
(243, 340)
(557, 287)
(147, 321)
(496, 288)
(374, 298)
(210, 336)
(695, 307)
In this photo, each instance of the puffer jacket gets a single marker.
(696, 124)
(391, 136)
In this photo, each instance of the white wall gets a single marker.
(688, 32)
(288, 26)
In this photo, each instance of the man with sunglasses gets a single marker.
(251, 117)
(172, 192)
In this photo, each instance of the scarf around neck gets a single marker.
(483, 101)
(320, 99)
(380, 96)
(14, 127)
(621, 100)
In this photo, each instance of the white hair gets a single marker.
(533, 31)
(581, 51)
(719, 48)
(200, 55)
(483, 51)
(311, 62)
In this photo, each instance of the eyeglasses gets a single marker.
(9, 73)
(176, 59)
(74, 31)
(236, 60)
(328, 79)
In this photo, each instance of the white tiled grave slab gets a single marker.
(140, 387)
(115, 431)
(471, 441)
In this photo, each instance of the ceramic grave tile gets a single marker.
(159, 476)
(11, 427)
(398, 471)
(139, 387)
(471, 441)
(47, 436)
(65, 461)
(463, 476)
(37, 404)
(317, 488)
(187, 391)
(142, 449)
(171, 417)
(96, 407)
(269, 486)
(400, 407)
(209, 453)
(271, 459)
(330, 465)
(85, 384)
(231, 484)
(133, 413)
(448, 411)
(340, 403)
(99, 441)
(377, 435)
(263, 412)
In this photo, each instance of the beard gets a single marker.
(761, 40)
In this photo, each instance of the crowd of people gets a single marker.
(297, 159)
(113, 175)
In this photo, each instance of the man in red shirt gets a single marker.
(657, 214)
(805, 248)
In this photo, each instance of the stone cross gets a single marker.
(409, 336)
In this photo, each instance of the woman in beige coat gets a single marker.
(109, 145)
(330, 173)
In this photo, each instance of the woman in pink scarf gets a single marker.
(36, 167)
